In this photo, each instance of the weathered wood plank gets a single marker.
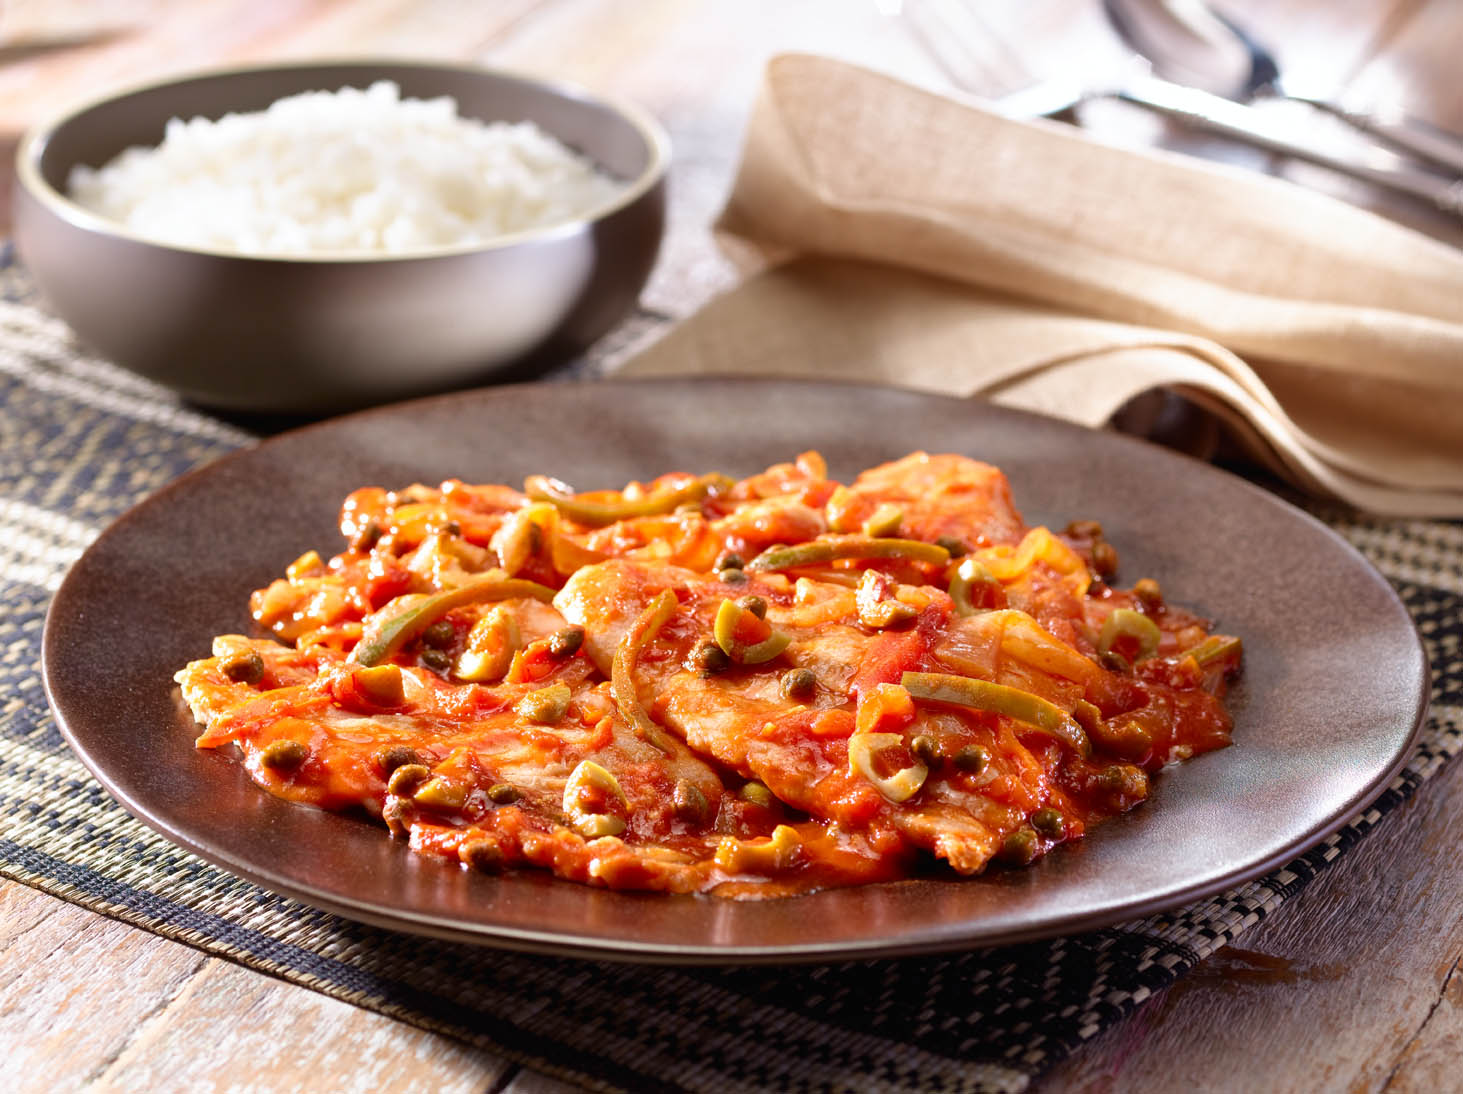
(90, 1002)
(697, 68)
(140, 41)
(230, 1025)
(1430, 1060)
(73, 989)
(1350, 982)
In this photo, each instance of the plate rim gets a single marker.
(641, 952)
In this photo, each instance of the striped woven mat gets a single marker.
(81, 441)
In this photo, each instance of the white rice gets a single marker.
(351, 171)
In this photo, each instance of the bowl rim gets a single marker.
(33, 145)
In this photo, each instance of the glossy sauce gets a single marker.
(618, 728)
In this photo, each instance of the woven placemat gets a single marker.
(81, 441)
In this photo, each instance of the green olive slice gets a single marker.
(622, 669)
(597, 514)
(1126, 623)
(728, 619)
(968, 575)
(1023, 706)
(830, 548)
(387, 635)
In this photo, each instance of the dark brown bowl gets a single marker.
(319, 334)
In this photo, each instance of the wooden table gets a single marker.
(1351, 986)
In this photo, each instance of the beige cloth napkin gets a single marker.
(927, 242)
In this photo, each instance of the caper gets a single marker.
(1113, 661)
(481, 854)
(284, 755)
(757, 794)
(1149, 594)
(1123, 781)
(407, 778)
(1104, 558)
(367, 536)
(924, 749)
(546, 705)
(956, 547)
(452, 528)
(1020, 846)
(689, 803)
(1049, 822)
(390, 757)
(503, 794)
(246, 667)
(972, 758)
(733, 576)
(1085, 529)
(439, 661)
(731, 561)
(754, 604)
(439, 635)
(798, 683)
(565, 643)
(707, 659)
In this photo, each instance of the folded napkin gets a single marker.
(911, 238)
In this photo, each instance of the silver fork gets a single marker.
(939, 26)
(1191, 43)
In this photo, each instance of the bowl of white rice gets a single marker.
(316, 237)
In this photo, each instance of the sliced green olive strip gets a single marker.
(1216, 647)
(1126, 623)
(903, 784)
(597, 514)
(830, 548)
(728, 617)
(622, 669)
(999, 699)
(970, 573)
(395, 632)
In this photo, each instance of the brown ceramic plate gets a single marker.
(1333, 689)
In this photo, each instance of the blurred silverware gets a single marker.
(1214, 114)
(1230, 119)
(962, 45)
(1191, 43)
